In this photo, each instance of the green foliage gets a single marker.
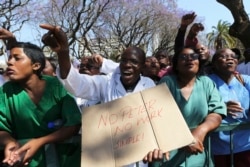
(220, 38)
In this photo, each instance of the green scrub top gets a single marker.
(25, 120)
(204, 99)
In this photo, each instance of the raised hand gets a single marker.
(97, 58)
(5, 34)
(187, 19)
(56, 39)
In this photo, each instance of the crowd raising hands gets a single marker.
(194, 80)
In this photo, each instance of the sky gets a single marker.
(210, 11)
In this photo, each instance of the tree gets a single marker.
(220, 37)
(241, 26)
(147, 24)
(75, 17)
(125, 24)
(103, 25)
(13, 15)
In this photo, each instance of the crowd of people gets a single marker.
(36, 92)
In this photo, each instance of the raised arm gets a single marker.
(57, 40)
(8, 37)
(186, 20)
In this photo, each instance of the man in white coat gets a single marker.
(124, 80)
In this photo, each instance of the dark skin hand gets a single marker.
(156, 155)
(211, 122)
(197, 146)
(5, 34)
(57, 40)
(233, 107)
(97, 59)
(8, 37)
(187, 19)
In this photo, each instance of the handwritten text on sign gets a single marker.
(129, 117)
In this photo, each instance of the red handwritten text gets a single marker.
(129, 140)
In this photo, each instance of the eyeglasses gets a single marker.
(193, 56)
(231, 56)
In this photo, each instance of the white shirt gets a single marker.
(104, 88)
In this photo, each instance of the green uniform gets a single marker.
(203, 100)
(25, 120)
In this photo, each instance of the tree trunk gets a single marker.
(241, 26)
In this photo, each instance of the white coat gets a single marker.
(102, 88)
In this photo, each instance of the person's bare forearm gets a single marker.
(211, 122)
(64, 62)
(8, 38)
(60, 135)
(5, 138)
(57, 40)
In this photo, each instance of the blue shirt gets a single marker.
(241, 140)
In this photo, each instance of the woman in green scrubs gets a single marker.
(30, 102)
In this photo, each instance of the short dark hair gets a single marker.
(139, 52)
(34, 52)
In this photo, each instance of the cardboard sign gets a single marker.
(123, 131)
